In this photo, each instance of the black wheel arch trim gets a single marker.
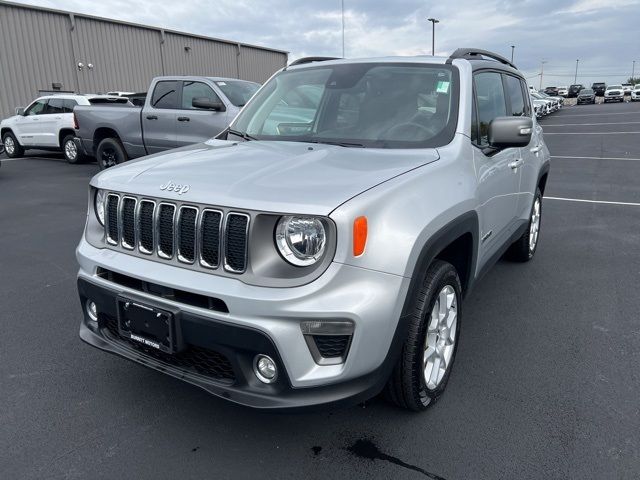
(467, 223)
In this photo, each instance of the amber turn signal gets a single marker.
(359, 235)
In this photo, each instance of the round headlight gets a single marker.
(100, 202)
(301, 240)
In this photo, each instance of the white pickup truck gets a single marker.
(47, 124)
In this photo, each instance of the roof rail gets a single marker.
(304, 60)
(477, 54)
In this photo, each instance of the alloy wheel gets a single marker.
(109, 158)
(9, 146)
(440, 340)
(534, 226)
(70, 150)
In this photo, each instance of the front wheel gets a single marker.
(525, 247)
(110, 153)
(429, 350)
(11, 146)
(70, 149)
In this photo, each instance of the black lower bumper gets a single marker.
(218, 358)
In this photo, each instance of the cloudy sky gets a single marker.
(603, 34)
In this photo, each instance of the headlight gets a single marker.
(99, 205)
(300, 240)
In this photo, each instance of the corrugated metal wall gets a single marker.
(39, 47)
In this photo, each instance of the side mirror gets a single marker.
(19, 111)
(505, 132)
(208, 104)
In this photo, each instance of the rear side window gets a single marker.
(37, 108)
(55, 106)
(165, 95)
(490, 100)
(516, 97)
(68, 105)
(192, 90)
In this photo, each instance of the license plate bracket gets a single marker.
(148, 325)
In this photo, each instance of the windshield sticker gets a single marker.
(443, 87)
(222, 84)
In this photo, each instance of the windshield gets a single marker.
(586, 91)
(356, 104)
(237, 91)
(613, 87)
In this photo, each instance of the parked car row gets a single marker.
(545, 104)
(114, 128)
(598, 89)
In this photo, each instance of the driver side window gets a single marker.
(36, 108)
(490, 101)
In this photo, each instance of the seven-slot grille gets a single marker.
(188, 233)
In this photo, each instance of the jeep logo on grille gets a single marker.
(175, 187)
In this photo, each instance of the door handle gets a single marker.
(183, 119)
(516, 163)
(536, 149)
(152, 117)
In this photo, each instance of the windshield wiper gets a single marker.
(240, 134)
(338, 143)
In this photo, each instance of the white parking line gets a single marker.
(581, 200)
(596, 158)
(588, 133)
(598, 114)
(583, 124)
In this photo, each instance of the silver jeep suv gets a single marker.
(319, 250)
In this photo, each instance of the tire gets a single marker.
(525, 247)
(110, 152)
(72, 154)
(11, 146)
(407, 386)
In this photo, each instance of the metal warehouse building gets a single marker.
(43, 50)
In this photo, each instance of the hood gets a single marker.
(283, 177)
(8, 120)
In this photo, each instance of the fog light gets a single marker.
(92, 310)
(265, 369)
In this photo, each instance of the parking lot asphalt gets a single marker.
(546, 382)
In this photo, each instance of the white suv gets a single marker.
(47, 124)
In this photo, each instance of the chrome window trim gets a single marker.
(123, 243)
(227, 267)
(195, 235)
(111, 241)
(141, 249)
(159, 251)
(202, 261)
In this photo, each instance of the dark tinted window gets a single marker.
(516, 98)
(68, 105)
(37, 108)
(490, 99)
(165, 95)
(55, 105)
(191, 90)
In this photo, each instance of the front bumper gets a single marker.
(259, 320)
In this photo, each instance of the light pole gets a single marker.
(433, 35)
(542, 62)
(512, 49)
(342, 2)
(575, 79)
(633, 70)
